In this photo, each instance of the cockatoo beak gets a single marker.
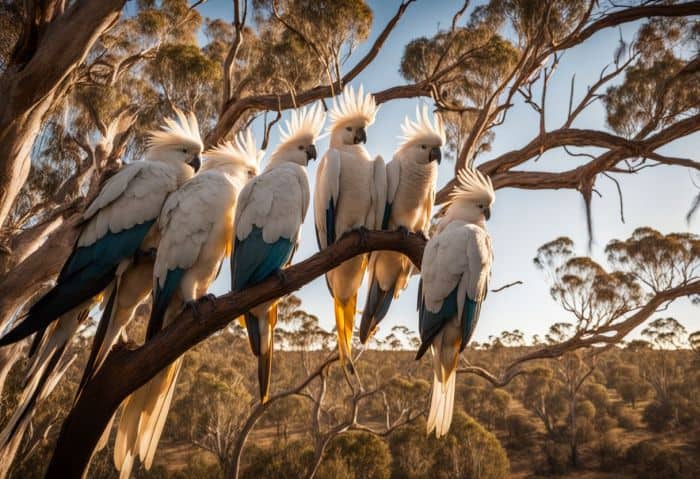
(435, 155)
(311, 152)
(487, 213)
(195, 162)
(360, 136)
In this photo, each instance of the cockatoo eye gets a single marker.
(481, 207)
(349, 128)
(301, 147)
(423, 147)
(184, 150)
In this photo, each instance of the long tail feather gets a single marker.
(160, 415)
(127, 432)
(376, 307)
(265, 358)
(345, 322)
(104, 438)
(264, 372)
(142, 420)
(60, 300)
(441, 405)
(30, 396)
(98, 340)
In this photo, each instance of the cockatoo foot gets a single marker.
(281, 276)
(208, 298)
(194, 307)
(404, 231)
(421, 234)
(363, 234)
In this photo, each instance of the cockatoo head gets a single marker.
(299, 135)
(473, 197)
(422, 138)
(239, 158)
(350, 116)
(178, 140)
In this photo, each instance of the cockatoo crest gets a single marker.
(181, 130)
(352, 106)
(423, 130)
(242, 152)
(472, 185)
(304, 126)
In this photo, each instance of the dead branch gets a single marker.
(600, 336)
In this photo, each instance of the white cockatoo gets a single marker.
(196, 227)
(350, 195)
(270, 212)
(117, 225)
(455, 272)
(411, 177)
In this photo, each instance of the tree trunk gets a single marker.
(573, 438)
(8, 357)
(52, 46)
(9, 451)
(25, 280)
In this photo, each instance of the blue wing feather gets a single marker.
(330, 223)
(161, 300)
(87, 272)
(387, 215)
(254, 260)
(376, 308)
(430, 323)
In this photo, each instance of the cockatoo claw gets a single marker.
(195, 309)
(363, 235)
(404, 231)
(209, 298)
(422, 235)
(281, 276)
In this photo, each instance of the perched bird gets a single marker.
(350, 195)
(455, 272)
(196, 227)
(411, 177)
(269, 215)
(118, 224)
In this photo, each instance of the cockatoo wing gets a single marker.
(186, 222)
(455, 270)
(269, 214)
(133, 195)
(118, 220)
(428, 211)
(393, 174)
(326, 198)
(379, 192)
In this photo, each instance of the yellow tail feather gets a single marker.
(265, 359)
(142, 420)
(345, 323)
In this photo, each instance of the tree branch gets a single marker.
(584, 339)
(125, 370)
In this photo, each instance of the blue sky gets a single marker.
(521, 220)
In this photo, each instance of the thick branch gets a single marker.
(63, 46)
(630, 15)
(619, 149)
(125, 370)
